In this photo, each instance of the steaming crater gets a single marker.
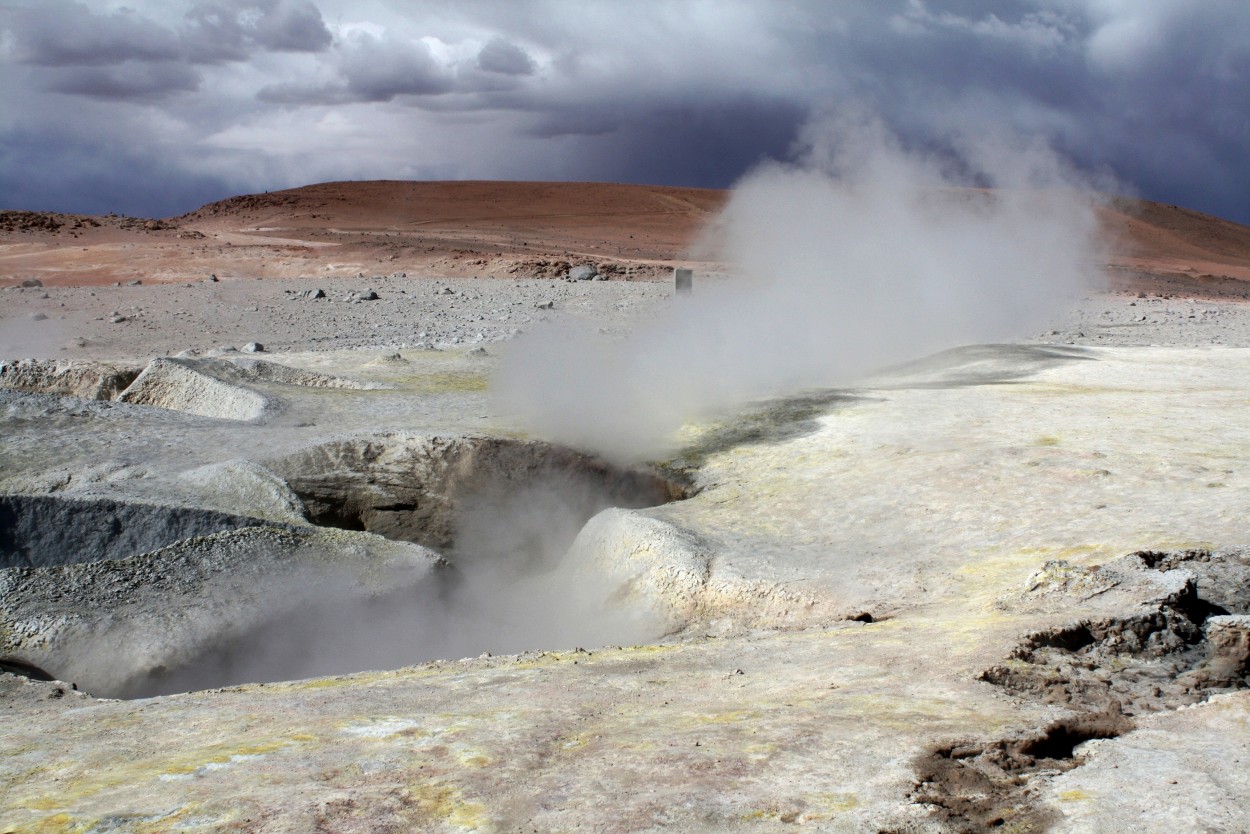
(432, 490)
(133, 599)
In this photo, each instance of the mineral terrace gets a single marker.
(326, 585)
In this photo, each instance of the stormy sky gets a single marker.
(154, 107)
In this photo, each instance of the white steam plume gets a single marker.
(859, 256)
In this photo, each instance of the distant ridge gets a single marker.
(451, 201)
(519, 229)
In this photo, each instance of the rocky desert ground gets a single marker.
(275, 560)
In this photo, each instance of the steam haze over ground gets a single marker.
(510, 588)
(861, 254)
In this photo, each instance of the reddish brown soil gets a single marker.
(1169, 249)
(501, 229)
(509, 229)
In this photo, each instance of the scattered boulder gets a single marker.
(117, 318)
(312, 295)
(253, 347)
(135, 283)
(32, 282)
(30, 221)
(583, 272)
(38, 316)
(545, 305)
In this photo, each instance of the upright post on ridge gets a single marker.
(684, 280)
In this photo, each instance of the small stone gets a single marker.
(32, 282)
(213, 278)
(448, 291)
(313, 295)
(478, 351)
(135, 283)
(117, 318)
(546, 305)
(253, 347)
(38, 316)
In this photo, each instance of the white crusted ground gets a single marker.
(927, 499)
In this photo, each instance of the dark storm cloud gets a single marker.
(269, 93)
(501, 56)
(697, 144)
(369, 69)
(378, 69)
(126, 57)
(59, 33)
(230, 30)
(128, 81)
(1156, 93)
(292, 27)
(86, 174)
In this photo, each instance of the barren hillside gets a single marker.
(1167, 247)
(508, 229)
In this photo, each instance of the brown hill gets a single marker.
(1166, 248)
(504, 229)
(476, 227)
(452, 229)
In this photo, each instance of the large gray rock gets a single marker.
(44, 530)
(182, 385)
(89, 380)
